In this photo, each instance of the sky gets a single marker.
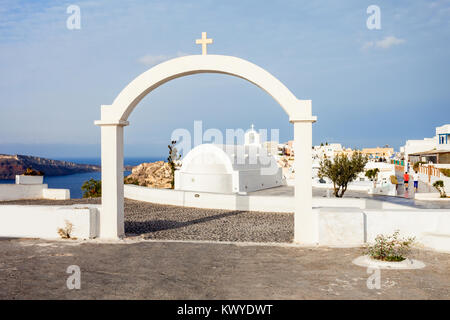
(368, 87)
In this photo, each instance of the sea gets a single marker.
(73, 182)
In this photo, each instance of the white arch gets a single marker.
(148, 81)
(114, 118)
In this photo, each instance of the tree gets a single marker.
(342, 170)
(92, 188)
(372, 174)
(172, 160)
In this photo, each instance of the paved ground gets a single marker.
(36, 269)
(155, 221)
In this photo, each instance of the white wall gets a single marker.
(209, 200)
(253, 180)
(44, 221)
(351, 226)
(31, 191)
(56, 194)
(21, 191)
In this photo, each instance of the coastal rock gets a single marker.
(154, 175)
(10, 165)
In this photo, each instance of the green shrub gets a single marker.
(439, 185)
(390, 248)
(92, 188)
(445, 172)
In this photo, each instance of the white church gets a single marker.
(229, 168)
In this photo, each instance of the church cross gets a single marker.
(204, 41)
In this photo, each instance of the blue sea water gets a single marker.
(74, 182)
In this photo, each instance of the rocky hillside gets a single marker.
(155, 175)
(10, 165)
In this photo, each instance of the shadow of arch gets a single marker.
(150, 226)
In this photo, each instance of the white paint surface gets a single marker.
(56, 194)
(44, 221)
(21, 191)
(22, 179)
(114, 118)
(31, 191)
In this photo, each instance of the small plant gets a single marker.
(390, 248)
(92, 188)
(439, 185)
(65, 232)
(172, 160)
(445, 172)
(31, 172)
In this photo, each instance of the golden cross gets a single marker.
(203, 41)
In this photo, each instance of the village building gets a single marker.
(378, 153)
(429, 150)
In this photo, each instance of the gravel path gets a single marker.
(155, 221)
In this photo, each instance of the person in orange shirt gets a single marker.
(406, 180)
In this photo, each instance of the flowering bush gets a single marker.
(390, 248)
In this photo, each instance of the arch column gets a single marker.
(306, 228)
(112, 210)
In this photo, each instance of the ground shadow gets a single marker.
(145, 227)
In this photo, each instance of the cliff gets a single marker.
(10, 165)
(155, 175)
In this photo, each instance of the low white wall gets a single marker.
(430, 197)
(341, 226)
(430, 227)
(353, 186)
(9, 191)
(352, 226)
(56, 194)
(21, 191)
(209, 200)
(44, 221)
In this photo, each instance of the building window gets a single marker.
(444, 138)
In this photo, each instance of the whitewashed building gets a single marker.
(326, 151)
(440, 142)
(229, 168)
